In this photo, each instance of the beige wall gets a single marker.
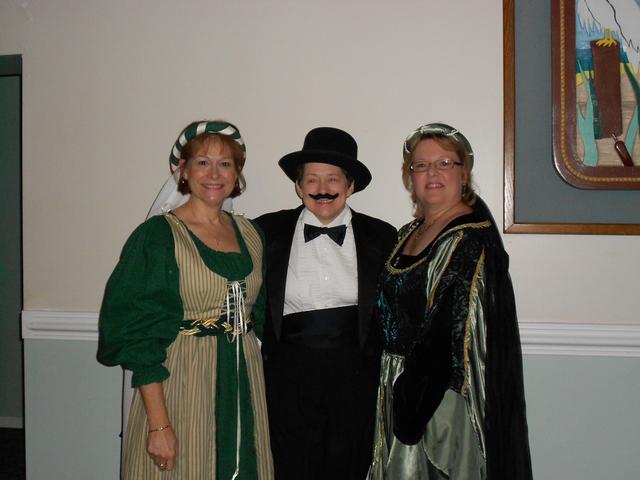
(108, 85)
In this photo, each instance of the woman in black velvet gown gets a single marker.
(451, 399)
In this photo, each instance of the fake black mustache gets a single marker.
(324, 196)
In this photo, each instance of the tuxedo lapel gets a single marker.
(278, 252)
(368, 258)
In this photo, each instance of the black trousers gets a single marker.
(321, 406)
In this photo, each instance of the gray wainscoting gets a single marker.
(581, 386)
(584, 422)
(72, 412)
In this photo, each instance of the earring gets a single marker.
(464, 189)
(182, 182)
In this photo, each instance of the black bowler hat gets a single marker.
(332, 146)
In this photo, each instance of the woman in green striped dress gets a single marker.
(183, 310)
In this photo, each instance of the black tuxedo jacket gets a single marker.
(374, 240)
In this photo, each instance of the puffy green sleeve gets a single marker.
(142, 310)
(259, 309)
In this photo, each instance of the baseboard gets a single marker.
(11, 422)
(538, 338)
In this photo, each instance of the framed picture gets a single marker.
(564, 170)
(596, 92)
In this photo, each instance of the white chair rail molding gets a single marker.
(538, 338)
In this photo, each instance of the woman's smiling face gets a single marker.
(323, 178)
(211, 173)
(436, 189)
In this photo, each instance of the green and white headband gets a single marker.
(438, 129)
(197, 128)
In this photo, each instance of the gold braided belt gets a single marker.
(232, 320)
(212, 326)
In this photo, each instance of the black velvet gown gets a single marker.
(451, 398)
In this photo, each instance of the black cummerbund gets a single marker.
(326, 328)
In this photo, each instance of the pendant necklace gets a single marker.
(427, 223)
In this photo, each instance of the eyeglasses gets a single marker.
(444, 164)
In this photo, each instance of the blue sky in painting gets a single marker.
(583, 39)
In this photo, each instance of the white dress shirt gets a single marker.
(321, 273)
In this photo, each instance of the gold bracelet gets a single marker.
(159, 429)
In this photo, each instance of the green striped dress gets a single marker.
(180, 313)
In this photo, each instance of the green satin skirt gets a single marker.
(449, 449)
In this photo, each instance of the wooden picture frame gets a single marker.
(511, 222)
(568, 161)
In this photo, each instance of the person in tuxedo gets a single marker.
(321, 354)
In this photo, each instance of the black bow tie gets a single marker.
(335, 233)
